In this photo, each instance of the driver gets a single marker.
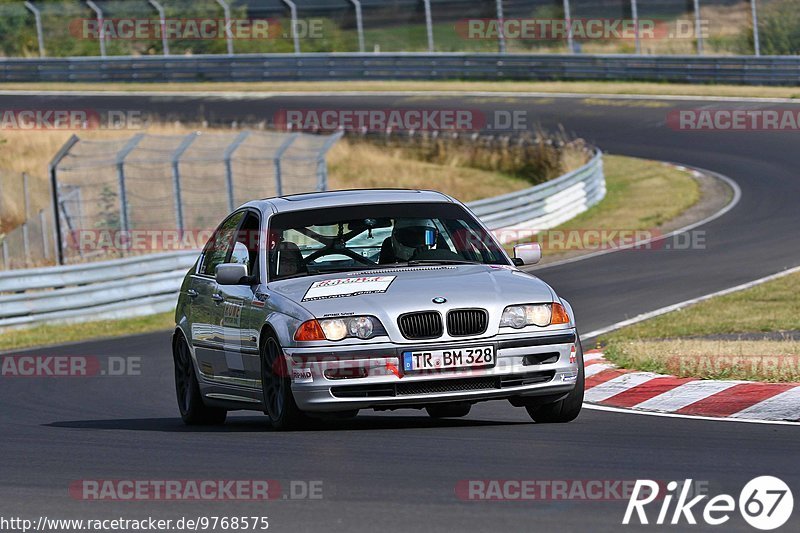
(412, 235)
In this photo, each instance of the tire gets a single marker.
(194, 412)
(276, 388)
(568, 408)
(449, 410)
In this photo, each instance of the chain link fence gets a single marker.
(150, 193)
(72, 28)
(29, 243)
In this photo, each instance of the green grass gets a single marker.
(661, 344)
(579, 87)
(49, 334)
(641, 195)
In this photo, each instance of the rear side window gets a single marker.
(220, 245)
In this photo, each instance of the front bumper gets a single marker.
(337, 379)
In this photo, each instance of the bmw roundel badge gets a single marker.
(439, 300)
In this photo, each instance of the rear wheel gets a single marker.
(449, 410)
(190, 401)
(568, 408)
(276, 388)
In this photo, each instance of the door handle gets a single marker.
(217, 298)
(191, 293)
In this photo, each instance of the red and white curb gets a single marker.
(610, 386)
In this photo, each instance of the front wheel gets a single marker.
(190, 401)
(276, 388)
(568, 408)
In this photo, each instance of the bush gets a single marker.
(535, 158)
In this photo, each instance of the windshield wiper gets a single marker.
(413, 262)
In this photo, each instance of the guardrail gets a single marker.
(133, 286)
(149, 284)
(548, 204)
(766, 70)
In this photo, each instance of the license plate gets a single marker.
(480, 356)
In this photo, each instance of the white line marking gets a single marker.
(686, 303)
(619, 384)
(242, 95)
(684, 395)
(591, 357)
(737, 195)
(783, 406)
(690, 417)
(591, 370)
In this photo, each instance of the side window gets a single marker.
(217, 249)
(245, 251)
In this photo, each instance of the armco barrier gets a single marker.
(118, 288)
(149, 284)
(548, 204)
(766, 70)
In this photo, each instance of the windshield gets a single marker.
(363, 237)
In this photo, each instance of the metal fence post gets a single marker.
(322, 167)
(100, 23)
(635, 16)
(293, 14)
(176, 177)
(226, 11)
(756, 43)
(359, 24)
(37, 16)
(6, 264)
(43, 225)
(568, 20)
(697, 27)
(124, 215)
(228, 169)
(53, 171)
(501, 34)
(276, 160)
(429, 24)
(163, 22)
(26, 244)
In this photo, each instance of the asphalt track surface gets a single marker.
(398, 471)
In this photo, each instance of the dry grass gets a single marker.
(764, 360)
(641, 197)
(581, 87)
(31, 151)
(357, 165)
(770, 307)
(350, 166)
(49, 333)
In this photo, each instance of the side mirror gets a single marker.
(527, 254)
(231, 274)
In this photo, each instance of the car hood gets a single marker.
(387, 293)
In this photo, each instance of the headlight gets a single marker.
(360, 327)
(519, 316)
(335, 330)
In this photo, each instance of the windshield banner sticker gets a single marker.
(342, 287)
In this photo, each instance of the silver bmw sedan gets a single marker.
(322, 304)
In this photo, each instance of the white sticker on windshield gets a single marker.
(341, 287)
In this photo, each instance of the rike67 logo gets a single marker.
(765, 503)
